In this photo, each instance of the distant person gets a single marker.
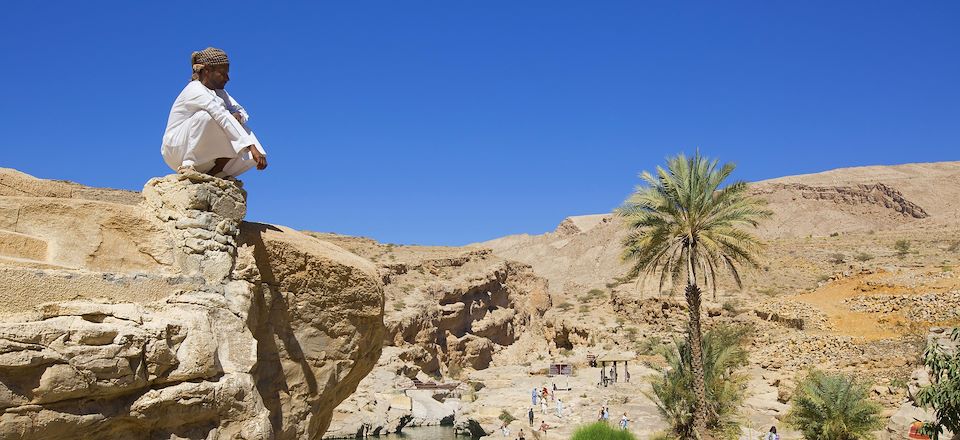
(772, 435)
(544, 427)
(600, 415)
(533, 396)
(505, 428)
(543, 406)
(559, 408)
(520, 435)
(613, 374)
(206, 131)
(606, 414)
(530, 416)
(624, 421)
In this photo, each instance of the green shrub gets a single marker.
(902, 247)
(833, 407)
(834, 234)
(649, 345)
(863, 256)
(399, 305)
(596, 294)
(768, 291)
(565, 306)
(601, 431)
(837, 258)
(723, 356)
(506, 417)
(584, 309)
(731, 306)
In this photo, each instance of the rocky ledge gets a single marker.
(272, 330)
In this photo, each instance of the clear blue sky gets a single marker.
(450, 122)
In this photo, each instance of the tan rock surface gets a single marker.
(227, 330)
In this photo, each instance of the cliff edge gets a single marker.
(164, 315)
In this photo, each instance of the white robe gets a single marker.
(201, 128)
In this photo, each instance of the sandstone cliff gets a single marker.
(449, 312)
(165, 316)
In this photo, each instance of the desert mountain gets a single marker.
(584, 251)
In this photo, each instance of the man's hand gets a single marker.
(259, 157)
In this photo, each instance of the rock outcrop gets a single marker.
(247, 331)
(448, 312)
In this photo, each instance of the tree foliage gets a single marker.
(943, 393)
(723, 356)
(683, 211)
(833, 407)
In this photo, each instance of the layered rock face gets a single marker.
(449, 312)
(246, 331)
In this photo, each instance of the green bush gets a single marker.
(506, 417)
(730, 306)
(833, 407)
(565, 306)
(649, 345)
(723, 356)
(863, 256)
(902, 247)
(601, 431)
(943, 393)
(584, 309)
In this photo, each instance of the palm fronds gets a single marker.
(683, 222)
(833, 407)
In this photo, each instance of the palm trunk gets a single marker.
(696, 354)
(696, 346)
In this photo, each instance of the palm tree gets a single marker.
(833, 407)
(683, 221)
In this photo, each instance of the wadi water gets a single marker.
(425, 433)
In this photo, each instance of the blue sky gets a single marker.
(450, 122)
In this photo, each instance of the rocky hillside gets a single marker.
(859, 264)
(910, 200)
(164, 315)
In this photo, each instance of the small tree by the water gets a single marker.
(601, 431)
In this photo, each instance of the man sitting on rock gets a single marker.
(207, 130)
